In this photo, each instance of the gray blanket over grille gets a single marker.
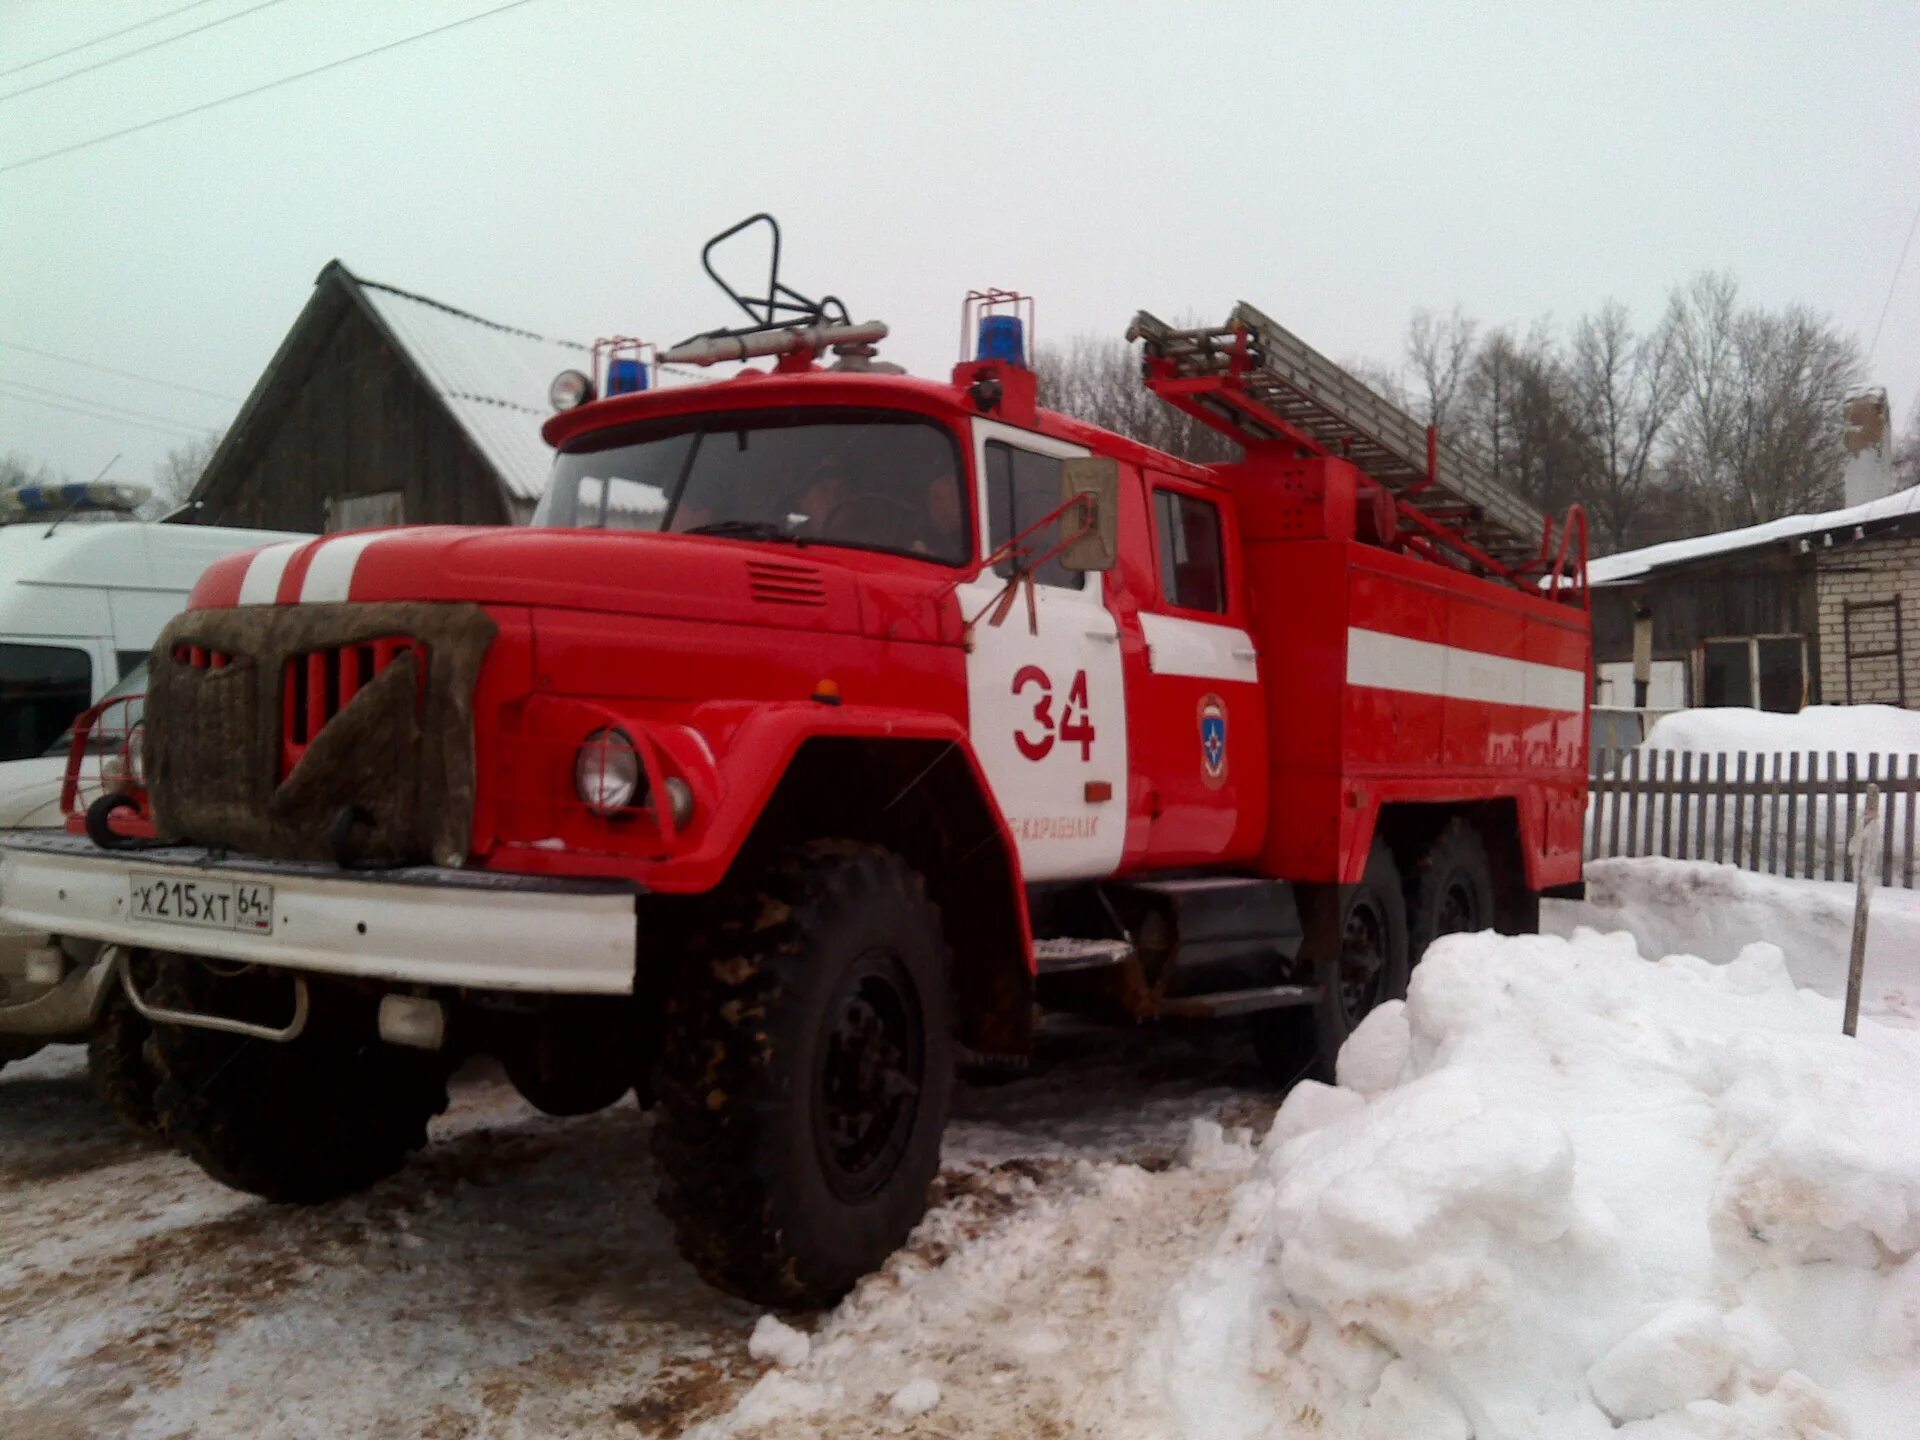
(399, 751)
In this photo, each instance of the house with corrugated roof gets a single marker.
(384, 407)
(1810, 609)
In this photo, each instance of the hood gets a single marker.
(30, 793)
(690, 577)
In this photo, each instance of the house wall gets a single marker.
(344, 416)
(1750, 593)
(1871, 573)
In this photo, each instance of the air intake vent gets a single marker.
(775, 582)
(319, 685)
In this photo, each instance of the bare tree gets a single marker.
(1625, 387)
(1440, 352)
(17, 470)
(178, 472)
(1099, 381)
(1758, 423)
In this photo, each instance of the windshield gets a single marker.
(873, 480)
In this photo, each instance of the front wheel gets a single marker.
(806, 1074)
(299, 1121)
(119, 1062)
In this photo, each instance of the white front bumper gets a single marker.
(421, 925)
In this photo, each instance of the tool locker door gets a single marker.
(1202, 731)
(1047, 708)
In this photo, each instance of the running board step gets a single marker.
(1057, 956)
(1227, 1003)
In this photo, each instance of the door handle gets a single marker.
(1112, 637)
(1246, 654)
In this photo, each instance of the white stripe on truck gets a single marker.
(330, 576)
(261, 584)
(1420, 667)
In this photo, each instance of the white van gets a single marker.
(80, 606)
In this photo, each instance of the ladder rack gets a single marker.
(1257, 381)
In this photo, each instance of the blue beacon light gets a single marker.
(625, 376)
(1003, 338)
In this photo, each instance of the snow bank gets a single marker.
(1689, 907)
(1847, 729)
(1566, 1192)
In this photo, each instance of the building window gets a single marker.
(1874, 647)
(1022, 488)
(1761, 672)
(1192, 570)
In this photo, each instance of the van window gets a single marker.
(1022, 487)
(1192, 573)
(42, 687)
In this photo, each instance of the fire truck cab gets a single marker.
(824, 722)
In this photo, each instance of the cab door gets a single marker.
(1047, 706)
(1201, 712)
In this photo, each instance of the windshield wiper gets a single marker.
(745, 530)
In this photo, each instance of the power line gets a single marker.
(1893, 284)
(262, 89)
(123, 374)
(100, 404)
(102, 39)
(138, 50)
(175, 432)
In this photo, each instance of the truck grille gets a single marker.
(319, 732)
(319, 684)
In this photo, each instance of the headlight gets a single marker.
(606, 772)
(570, 390)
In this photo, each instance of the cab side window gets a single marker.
(1022, 488)
(1193, 574)
(42, 687)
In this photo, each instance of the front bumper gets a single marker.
(421, 925)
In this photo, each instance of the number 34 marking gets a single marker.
(1036, 736)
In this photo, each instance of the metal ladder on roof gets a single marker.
(1301, 396)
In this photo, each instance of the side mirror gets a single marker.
(1095, 483)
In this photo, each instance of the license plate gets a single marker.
(209, 904)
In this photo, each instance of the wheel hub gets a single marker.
(869, 1078)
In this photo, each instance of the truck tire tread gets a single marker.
(300, 1122)
(748, 1201)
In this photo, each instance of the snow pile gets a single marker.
(1563, 1190)
(1674, 907)
(1846, 729)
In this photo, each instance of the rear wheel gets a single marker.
(1355, 951)
(300, 1121)
(1450, 888)
(806, 1074)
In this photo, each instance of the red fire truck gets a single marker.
(824, 723)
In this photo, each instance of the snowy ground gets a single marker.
(1562, 1188)
(514, 1281)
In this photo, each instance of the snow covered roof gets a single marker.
(493, 378)
(1631, 564)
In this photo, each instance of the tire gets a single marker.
(119, 1064)
(805, 1075)
(1449, 888)
(299, 1122)
(575, 1061)
(1355, 951)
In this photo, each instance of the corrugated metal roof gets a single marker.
(1632, 564)
(493, 377)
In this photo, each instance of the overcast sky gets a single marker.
(557, 166)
